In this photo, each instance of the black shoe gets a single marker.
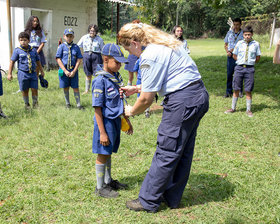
(80, 107)
(27, 106)
(2, 115)
(106, 192)
(135, 205)
(68, 106)
(227, 95)
(147, 114)
(116, 185)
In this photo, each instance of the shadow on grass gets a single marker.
(204, 188)
(213, 71)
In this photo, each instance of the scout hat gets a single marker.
(68, 31)
(114, 51)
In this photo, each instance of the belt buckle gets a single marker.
(244, 66)
(90, 52)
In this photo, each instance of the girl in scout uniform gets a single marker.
(108, 106)
(27, 58)
(166, 69)
(92, 45)
(69, 57)
(246, 53)
(37, 38)
(178, 33)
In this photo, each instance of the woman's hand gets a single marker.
(128, 90)
(127, 110)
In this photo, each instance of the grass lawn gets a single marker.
(47, 171)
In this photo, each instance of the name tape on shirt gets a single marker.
(145, 66)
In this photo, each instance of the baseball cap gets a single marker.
(115, 51)
(68, 31)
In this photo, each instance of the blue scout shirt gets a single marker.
(35, 40)
(247, 56)
(63, 54)
(105, 94)
(21, 55)
(164, 70)
(91, 44)
(136, 68)
(232, 38)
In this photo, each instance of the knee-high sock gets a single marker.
(100, 170)
(234, 102)
(77, 98)
(248, 104)
(107, 178)
(66, 96)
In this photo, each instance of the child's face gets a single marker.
(236, 26)
(247, 36)
(92, 32)
(23, 42)
(35, 22)
(178, 32)
(111, 64)
(69, 38)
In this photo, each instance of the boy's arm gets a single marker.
(104, 139)
(40, 68)
(59, 62)
(258, 58)
(79, 60)
(130, 130)
(234, 57)
(11, 66)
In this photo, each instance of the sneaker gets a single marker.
(230, 111)
(80, 107)
(106, 192)
(147, 114)
(116, 185)
(27, 106)
(227, 95)
(68, 106)
(249, 113)
(135, 205)
(2, 115)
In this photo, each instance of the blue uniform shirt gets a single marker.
(252, 52)
(232, 38)
(105, 94)
(63, 52)
(21, 55)
(91, 44)
(137, 69)
(164, 70)
(35, 40)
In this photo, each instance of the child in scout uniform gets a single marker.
(92, 45)
(247, 52)
(27, 59)
(2, 115)
(69, 57)
(108, 106)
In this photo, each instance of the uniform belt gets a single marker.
(91, 52)
(247, 66)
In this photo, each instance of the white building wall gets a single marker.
(54, 15)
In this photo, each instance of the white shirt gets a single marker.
(91, 44)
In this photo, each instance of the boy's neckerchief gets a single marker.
(69, 63)
(28, 56)
(247, 49)
(236, 36)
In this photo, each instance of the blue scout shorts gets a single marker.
(131, 62)
(27, 80)
(1, 86)
(113, 130)
(243, 73)
(65, 81)
(90, 61)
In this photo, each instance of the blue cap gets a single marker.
(114, 51)
(68, 31)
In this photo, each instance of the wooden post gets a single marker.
(112, 14)
(118, 21)
(272, 30)
(9, 29)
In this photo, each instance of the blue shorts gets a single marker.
(90, 61)
(131, 62)
(27, 80)
(113, 130)
(1, 86)
(243, 73)
(65, 81)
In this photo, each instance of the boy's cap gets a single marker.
(68, 31)
(114, 51)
